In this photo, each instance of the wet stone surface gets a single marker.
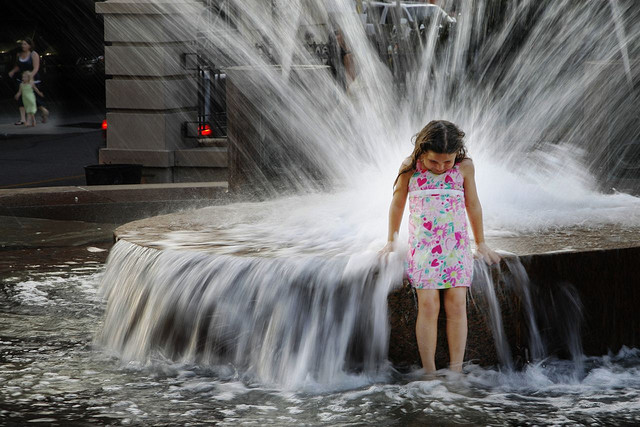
(25, 233)
(212, 230)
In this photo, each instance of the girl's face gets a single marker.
(438, 162)
(26, 77)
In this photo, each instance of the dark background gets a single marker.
(68, 36)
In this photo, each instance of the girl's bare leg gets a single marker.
(427, 326)
(23, 115)
(455, 305)
(349, 68)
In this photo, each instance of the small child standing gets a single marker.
(438, 179)
(28, 92)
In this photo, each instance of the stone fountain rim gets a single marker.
(593, 240)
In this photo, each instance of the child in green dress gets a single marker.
(28, 92)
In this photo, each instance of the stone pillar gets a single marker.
(266, 154)
(152, 89)
(611, 130)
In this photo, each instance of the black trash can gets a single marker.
(113, 174)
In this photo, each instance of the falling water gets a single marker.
(306, 301)
(540, 88)
(522, 283)
(483, 282)
(286, 322)
(528, 90)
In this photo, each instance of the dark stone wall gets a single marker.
(608, 284)
(603, 317)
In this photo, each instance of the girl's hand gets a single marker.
(487, 254)
(17, 96)
(388, 248)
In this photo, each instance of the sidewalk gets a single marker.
(61, 122)
(49, 154)
(42, 174)
(115, 204)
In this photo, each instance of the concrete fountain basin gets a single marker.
(583, 281)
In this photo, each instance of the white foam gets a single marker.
(35, 293)
(94, 249)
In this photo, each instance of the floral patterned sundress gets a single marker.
(439, 254)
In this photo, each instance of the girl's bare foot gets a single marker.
(455, 367)
(429, 376)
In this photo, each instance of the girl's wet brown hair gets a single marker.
(439, 136)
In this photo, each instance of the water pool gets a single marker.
(51, 372)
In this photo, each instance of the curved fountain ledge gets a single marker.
(600, 266)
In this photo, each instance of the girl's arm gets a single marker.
(396, 209)
(36, 90)
(19, 93)
(36, 63)
(474, 211)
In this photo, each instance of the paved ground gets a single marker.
(52, 153)
(42, 173)
(114, 204)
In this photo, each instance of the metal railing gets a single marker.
(212, 105)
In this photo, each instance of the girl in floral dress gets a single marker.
(438, 179)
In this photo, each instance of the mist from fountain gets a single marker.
(307, 281)
(543, 128)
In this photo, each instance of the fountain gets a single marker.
(286, 287)
(276, 310)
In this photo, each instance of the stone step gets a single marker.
(203, 157)
(213, 142)
(200, 164)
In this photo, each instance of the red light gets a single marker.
(104, 124)
(204, 130)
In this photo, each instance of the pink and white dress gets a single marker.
(439, 254)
